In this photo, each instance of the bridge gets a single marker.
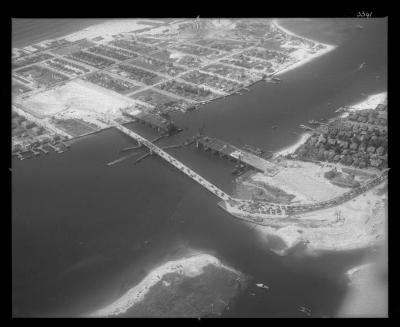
(259, 212)
(167, 157)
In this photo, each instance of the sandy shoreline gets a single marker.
(104, 29)
(308, 58)
(292, 148)
(367, 293)
(189, 266)
(370, 103)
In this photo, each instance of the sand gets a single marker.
(292, 148)
(363, 225)
(189, 266)
(305, 180)
(109, 28)
(304, 54)
(356, 224)
(78, 95)
(370, 103)
(367, 294)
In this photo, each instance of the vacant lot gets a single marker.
(76, 95)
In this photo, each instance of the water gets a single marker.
(83, 232)
(30, 31)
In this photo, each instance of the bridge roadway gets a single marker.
(186, 170)
(256, 211)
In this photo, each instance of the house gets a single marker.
(363, 164)
(336, 158)
(322, 139)
(27, 124)
(353, 146)
(349, 160)
(331, 141)
(375, 162)
(380, 151)
(356, 162)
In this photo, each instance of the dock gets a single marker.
(173, 146)
(141, 158)
(43, 150)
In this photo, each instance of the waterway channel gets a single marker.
(82, 231)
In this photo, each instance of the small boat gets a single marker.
(361, 66)
(306, 127)
(261, 285)
(304, 310)
(360, 27)
(274, 127)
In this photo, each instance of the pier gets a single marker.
(43, 150)
(141, 158)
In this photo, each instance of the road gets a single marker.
(183, 168)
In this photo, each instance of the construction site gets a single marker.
(244, 158)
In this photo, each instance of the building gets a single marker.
(161, 124)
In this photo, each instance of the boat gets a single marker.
(362, 65)
(261, 285)
(274, 127)
(313, 122)
(360, 27)
(304, 310)
(341, 109)
(306, 127)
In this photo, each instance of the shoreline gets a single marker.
(189, 266)
(370, 102)
(301, 62)
(367, 292)
(104, 29)
(292, 148)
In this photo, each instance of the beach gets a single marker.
(367, 293)
(106, 30)
(188, 266)
(108, 211)
(301, 56)
(370, 103)
(292, 148)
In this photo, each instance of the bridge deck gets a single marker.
(186, 170)
(259, 212)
